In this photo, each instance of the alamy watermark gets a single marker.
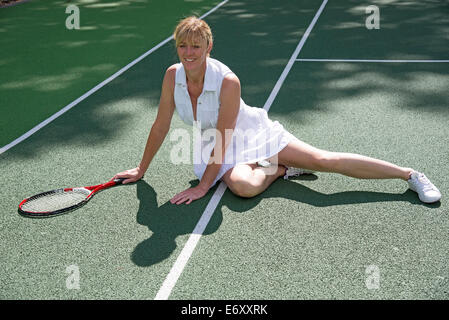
(373, 20)
(372, 280)
(73, 20)
(73, 280)
(241, 146)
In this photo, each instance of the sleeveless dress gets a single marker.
(255, 136)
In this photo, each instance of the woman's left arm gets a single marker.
(227, 118)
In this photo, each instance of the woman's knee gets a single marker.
(243, 188)
(242, 183)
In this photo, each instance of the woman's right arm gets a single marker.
(159, 129)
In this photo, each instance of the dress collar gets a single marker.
(210, 83)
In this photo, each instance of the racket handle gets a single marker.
(119, 180)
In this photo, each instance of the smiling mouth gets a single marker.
(189, 60)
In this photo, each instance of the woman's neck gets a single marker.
(196, 76)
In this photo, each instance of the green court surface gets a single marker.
(45, 66)
(313, 237)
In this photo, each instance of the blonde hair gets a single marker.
(192, 29)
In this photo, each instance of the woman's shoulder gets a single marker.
(170, 76)
(218, 65)
(173, 68)
(220, 68)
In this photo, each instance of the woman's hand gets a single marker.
(189, 195)
(133, 175)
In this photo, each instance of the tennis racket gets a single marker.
(62, 200)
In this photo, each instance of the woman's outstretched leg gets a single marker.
(302, 155)
(249, 180)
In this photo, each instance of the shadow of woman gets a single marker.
(169, 221)
(296, 191)
(289, 189)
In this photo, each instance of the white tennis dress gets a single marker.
(255, 137)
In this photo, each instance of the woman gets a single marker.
(206, 93)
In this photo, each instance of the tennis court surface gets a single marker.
(319, 67)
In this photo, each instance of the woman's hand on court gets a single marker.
(189, 195)
(133, 175)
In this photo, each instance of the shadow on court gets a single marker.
(169, 221)
(291, 190)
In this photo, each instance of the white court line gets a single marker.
(184, 256)
(175, 272)
(292, 60)
(372, 61)
(94, 89)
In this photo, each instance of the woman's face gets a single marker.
(193, 53)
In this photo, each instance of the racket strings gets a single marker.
(55, 201)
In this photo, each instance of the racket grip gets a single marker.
(119, 180)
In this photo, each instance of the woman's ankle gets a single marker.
(407, 173)
(282, 170)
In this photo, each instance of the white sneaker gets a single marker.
(427, 192)
(295, 172)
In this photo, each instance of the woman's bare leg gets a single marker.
(302, 155)
(249, 180)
